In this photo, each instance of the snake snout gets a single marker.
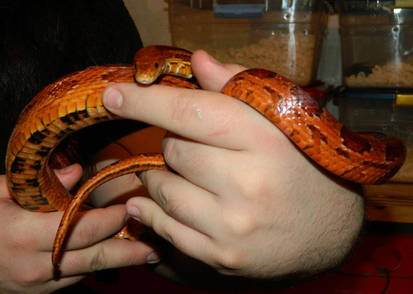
(144, 79)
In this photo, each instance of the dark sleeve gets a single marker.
(41, 41)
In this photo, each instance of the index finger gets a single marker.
(204, 116)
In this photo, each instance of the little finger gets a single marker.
(110, 253)
(186, 239)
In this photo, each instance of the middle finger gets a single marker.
(206, 166)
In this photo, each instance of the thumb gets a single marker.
(210, 73)
(69, 175)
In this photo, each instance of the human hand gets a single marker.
(26, 240)
(243, 199)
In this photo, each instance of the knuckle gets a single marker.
(183, 108)
(177, 151)
(244, 183)
(163, 194)
(16, 241)
(171, 205)
(87, 234)
(173, 208)
(18, 238)
(230, 260)
(31, 275)
(241, 223)
(171, 151)
(164, 229)
(254, 187)
(98, 261)
(168, 237)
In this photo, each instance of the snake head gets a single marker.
(153, 61)
(149, 64)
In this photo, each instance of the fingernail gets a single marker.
(153, 257)
(112, 98)
(134, 212)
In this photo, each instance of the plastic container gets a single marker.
(384, 111)
(377, 43)
(282, 36)
(389, 112)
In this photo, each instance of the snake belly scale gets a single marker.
(75, 102)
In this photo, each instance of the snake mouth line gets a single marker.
(144, 80)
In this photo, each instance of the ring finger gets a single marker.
(206, 166)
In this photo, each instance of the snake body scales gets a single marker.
(75, 101)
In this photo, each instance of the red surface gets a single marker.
(363, 273)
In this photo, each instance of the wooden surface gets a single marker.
(392, 202)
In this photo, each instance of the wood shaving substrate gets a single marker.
(289, 55)
(388, 75)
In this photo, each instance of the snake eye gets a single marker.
(156, 65)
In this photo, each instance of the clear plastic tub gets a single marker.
(282, 36)
(385, 111)
(377, 43)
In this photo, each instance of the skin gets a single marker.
(27, 238)
(242, 198)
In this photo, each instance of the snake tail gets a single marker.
(133, 164)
